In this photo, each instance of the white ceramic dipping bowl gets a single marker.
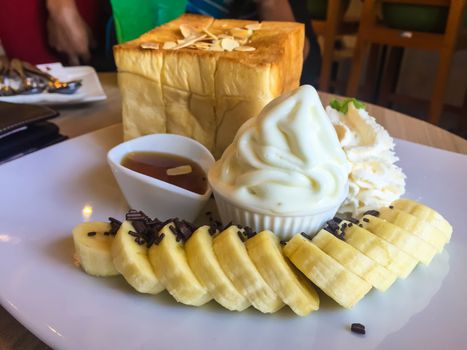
(156, 198)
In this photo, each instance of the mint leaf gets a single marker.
(336, 105)
(343, 106)
(358, 104)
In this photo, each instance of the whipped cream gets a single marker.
(285, 161)
(375, 181)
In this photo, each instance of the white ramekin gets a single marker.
(155, 197)
(284, 226)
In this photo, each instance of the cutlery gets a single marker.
(5, 89)
(54, 85)
(29, 85)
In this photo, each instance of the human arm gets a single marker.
(68, 33)
(278, 10)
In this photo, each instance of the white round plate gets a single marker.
(42, 197)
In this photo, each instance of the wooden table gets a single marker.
(78, 120)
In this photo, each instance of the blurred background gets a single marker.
(407, 55)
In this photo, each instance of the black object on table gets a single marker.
(24, 129)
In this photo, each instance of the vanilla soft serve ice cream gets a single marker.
(287, 161)
(375, 180)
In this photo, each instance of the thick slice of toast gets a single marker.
(204, 94)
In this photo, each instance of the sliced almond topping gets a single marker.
(187, 30)
(216, 46)
(225, 36)
(212, 36)
(254, 26)
(169, 45)
(243, 41)
(241, 33)
(229, 44)
(150, 46)
(189, 41)
(180, 170)
(245, 48)
(201, 46)
(203, 39)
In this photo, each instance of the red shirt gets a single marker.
(23, 28)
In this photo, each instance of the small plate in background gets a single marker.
(90, 91)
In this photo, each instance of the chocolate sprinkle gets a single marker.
(134, 234)
(241, 235)
(145, 229)
(158, 238)
(391, 207)
(354, 221)
(366, 219)
(371, 212)
(226, 226)
(282, 242)
(137, 216)
(334, 228)
(214, 227)
(337, 219)
(357, 328)
(181, 229)
(140, 226)
(91, 234)
(248, 231)
(185, 228)
(114, 226)
(306, 236)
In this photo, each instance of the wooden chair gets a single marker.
(329, 29)
(371, 32)
(463, 122)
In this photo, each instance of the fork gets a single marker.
(28, 85)
(54, 85)
(5, 89)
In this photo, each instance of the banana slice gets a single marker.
(409, 243)
(92, 248)
(381, 251)
(265, 251)
(429, 233)
(204, 264)
(345, 287)
(171, 266)
(355, 261)
(236, 264)
(424, 213)
(131, 260)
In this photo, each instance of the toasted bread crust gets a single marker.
(207, 86)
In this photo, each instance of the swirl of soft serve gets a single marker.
(287, 160)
